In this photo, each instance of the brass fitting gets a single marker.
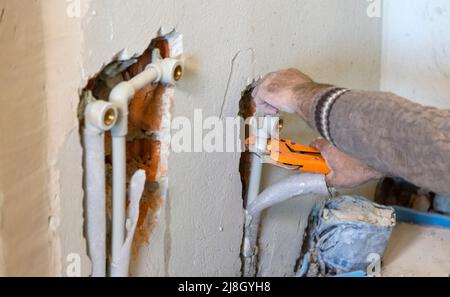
(178, 73)
(110, 117)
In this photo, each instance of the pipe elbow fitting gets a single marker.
(120, 96)
(100, 116)
(170, 70)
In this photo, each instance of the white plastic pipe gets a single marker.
(297, 185)
(262, 132)
(99, 117)
(254, 179)
(118, 194)
(293, 186)
(250, 246)
(167, 71)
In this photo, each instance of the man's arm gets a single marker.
(380, 131)
(393, 135)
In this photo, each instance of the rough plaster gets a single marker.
(225, 42)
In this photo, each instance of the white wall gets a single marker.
(416, 49)
(23, 155)
(227, 42)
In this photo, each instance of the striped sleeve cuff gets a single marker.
(322, 111)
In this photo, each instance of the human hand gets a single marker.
(287, 90)
(346, 172)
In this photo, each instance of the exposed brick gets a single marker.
(143, 151)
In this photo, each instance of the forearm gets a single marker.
(392, 135)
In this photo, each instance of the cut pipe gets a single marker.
(167, 71)
(120, 266)
(99, 117)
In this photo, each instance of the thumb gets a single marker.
(330, 179)
(321, 144)
(324, 147)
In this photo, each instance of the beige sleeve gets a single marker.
(394, 136)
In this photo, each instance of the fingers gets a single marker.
(259, 97)
(329, 180)
(324, 147)
(255, 92)
(260, 82)
(268, 109)
(264, 105)
(277, 91)
(260, 88)
(346, 172)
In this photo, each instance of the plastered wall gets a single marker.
(40, 152)
(23, 170)
(416, 47)
(225, 43)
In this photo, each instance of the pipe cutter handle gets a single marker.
(287, 154)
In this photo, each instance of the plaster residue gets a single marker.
(352, 211)
(147, 145)
(247, 109)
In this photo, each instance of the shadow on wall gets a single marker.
(24, 170)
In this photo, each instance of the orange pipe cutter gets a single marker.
(290, 155)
